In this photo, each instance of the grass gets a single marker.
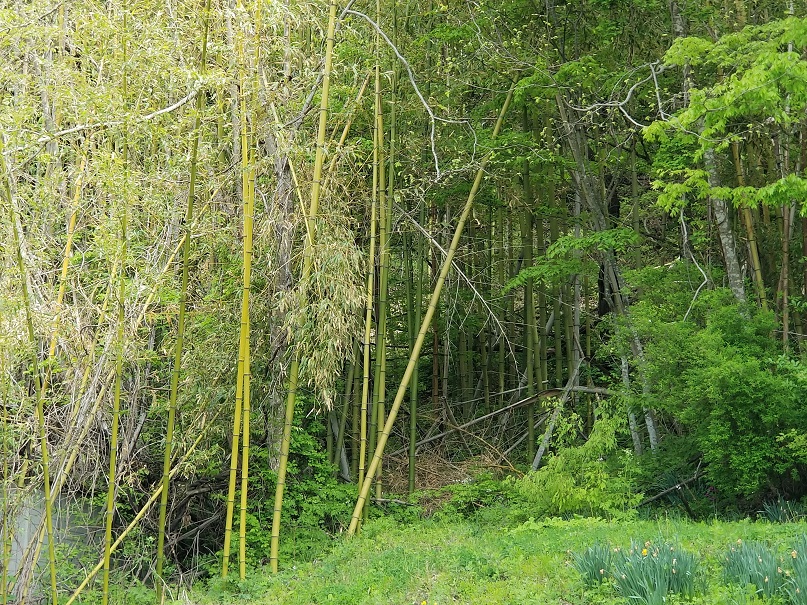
(444, 562)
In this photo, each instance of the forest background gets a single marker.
(293, 261)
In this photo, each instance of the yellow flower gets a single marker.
(793, 554)
(644, 552)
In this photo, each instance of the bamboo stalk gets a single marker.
(307, 262)
(113, 441)
(414, 387)
(183, 298)
(413, 357)
(340, 436)
(385, 211)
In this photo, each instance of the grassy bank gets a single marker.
(451, 561)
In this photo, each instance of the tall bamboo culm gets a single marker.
(120, 344)
(413, 356)
(183, 298)
(310, 217)
(241, 410)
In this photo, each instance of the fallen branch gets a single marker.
(697, 476)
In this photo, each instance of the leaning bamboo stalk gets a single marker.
(183, 299)
(413, 356)
(142, 513)
(310, 216)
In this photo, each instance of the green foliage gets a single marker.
(470, 498)
(725, 380)
(754, 563)
(564, 257)
(646, 574)
(594, 564)
(796, 581)
(595, 478)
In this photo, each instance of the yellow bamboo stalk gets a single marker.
(249, 209)
(294, 370)
(413, 357)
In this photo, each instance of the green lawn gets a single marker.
(448, 562)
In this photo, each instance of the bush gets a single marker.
(593, 479)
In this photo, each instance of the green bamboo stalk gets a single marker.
(529, 318)
(500, 275)
(354, 419)
(385, 212)
(294, 370)
(120, 339)
(242, 534)
(368, 327)
(234, 448)
(183, 298)
(529, 303)
(414, 387)
(4, 529)
(340, 436)
(413, 357)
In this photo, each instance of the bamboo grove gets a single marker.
(269, 267)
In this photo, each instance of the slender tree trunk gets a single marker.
(727, 242)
